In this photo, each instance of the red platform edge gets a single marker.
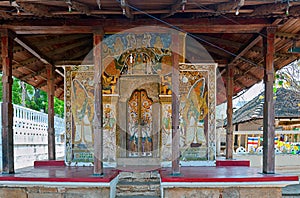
(244, 179)
(233, 163)
(49, 163)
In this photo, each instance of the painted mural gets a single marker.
(140, 124)
(132, 56)
(80, 115)
(196, 119)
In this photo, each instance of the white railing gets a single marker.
(30, 126)
(31, 136)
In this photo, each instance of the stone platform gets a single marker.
(223, 181)
(54, 179)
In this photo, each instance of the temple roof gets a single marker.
(287, 105)
(60, 33)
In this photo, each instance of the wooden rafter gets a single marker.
(126, 9)
(59, 40)
(215, 40)
(41, 84)
(247, 73)
(113, 25)
(268, 9)
(243, 50)
(294, 11)
(33, 73)
(5, 15)
(34, 8)
(287, 35)
(176, 6)
(82, 8)
(226, 7)
(32, 49)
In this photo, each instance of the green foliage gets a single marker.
(34, 98)
(16, 93)
(59, 107)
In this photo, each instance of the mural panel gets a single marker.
(196, 114)
(140, 125)
(80, 115)
(197, 111)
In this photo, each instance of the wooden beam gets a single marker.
(113, 25)
(176, 6)
(294, 11)
(82, 8)
(32, 49)
(246, 48)
(229, 127)
(33, 73)
(269, 114)
(5, 15)
(227, 6)
(247, 73)
(7, 106)
(175, 105)
(41, 84)
(285, 35)
(221, 41)
(61, 40)
(98, 118)
(268, 9)
(35, 8)
(126, 9)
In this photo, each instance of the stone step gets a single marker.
(138, 184)
(138, 188)
(139, 176)
(138, 196)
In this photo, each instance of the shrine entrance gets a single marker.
(138, 134)
(139, 125)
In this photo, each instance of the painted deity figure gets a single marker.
(195, 111)
(83, 114)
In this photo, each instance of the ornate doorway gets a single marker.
(139, 125)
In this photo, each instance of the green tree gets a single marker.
(59, 108)
(16, 93)
(35, 98)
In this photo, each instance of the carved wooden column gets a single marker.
(229, 127)
(269, 117)
(7, 107)
(98, 118)
(51, 130)
(175, 105)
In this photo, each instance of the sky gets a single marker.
(247, 96)
(250, 94)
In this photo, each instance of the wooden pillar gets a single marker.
(7, 107)
(229, 127)
(175, 105)
(269, 117)
(98, 118)
(51, 130)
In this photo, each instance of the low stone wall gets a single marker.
(217, 192)
(26, 154)
(54, 192)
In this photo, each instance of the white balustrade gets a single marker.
(30, 126)
(31, 136)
